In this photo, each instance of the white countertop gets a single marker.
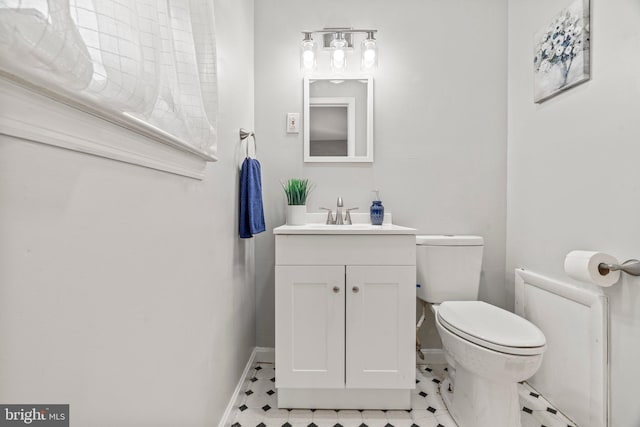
(343, 229)
(361, 225)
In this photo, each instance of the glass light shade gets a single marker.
(338, 53)
(308, 54)
(369, 54)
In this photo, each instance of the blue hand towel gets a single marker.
(251, 210)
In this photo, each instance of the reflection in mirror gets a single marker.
(331, 127)
(338, 123)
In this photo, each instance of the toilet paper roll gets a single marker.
(583, 266)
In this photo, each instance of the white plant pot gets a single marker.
(296, 214)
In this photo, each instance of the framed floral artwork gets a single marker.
(561, 52)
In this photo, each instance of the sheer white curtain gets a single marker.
(148, 62)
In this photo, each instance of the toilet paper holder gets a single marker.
(631, 266)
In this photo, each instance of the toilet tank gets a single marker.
(448, 267)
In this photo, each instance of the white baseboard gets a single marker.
(265, 355)
(226, 420)
(432, 356)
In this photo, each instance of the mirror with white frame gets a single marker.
(338, 119)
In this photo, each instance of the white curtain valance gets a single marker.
(148, 62)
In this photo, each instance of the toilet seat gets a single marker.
(491, 327)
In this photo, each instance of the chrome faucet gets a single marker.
(339, 220)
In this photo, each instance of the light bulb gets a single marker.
(308, 49)
(369, 53)
(369, 56)
(338, 54)
(308, 58)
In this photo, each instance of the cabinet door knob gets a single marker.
(355, 289)
(336, 289)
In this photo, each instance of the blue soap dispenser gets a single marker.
(377, 210)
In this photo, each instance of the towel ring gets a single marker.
(246, 134)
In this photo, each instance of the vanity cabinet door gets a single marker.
(380, 326)
(310, 330)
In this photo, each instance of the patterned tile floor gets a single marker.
(257, 406)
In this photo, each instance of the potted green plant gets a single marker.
(297, 191)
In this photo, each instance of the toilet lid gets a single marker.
(449, 240)
(491, 327)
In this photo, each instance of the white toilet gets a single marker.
(488, 349)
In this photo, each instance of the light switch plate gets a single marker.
(293, 120)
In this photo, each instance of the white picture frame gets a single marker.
(561, 53)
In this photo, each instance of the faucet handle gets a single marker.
(347, 220)
(330, 219)
(340, 202)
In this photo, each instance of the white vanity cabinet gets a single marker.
(345, 318)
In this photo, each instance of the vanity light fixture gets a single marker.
(369, 53)
(338, 41)
(338, 53)
(308, 53)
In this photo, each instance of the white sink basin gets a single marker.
(344, 226)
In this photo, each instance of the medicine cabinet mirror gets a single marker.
(338, 119)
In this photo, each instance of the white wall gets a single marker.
(125, 291)
(573, 170)
(440, 123)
